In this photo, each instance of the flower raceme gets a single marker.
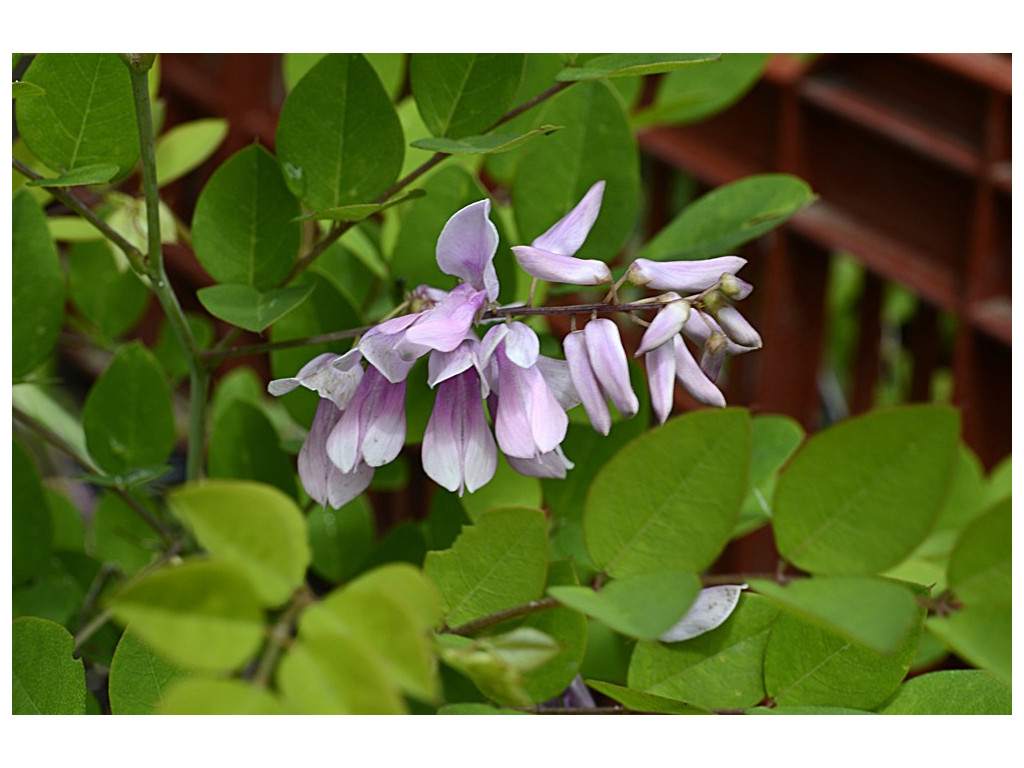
(360, 419)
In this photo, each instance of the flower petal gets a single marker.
(569, 232)
(556, 374)
(384, 435)
(529, 420)
(522, 346)
(380, 346)
(686, 277)
(458, 449)
(661, 379)
(585, 383)
(667, 323)
(323, 481)
(608, 361)
(737, 327)
(710, 610)
(323, 375)
(557, 268)
(445, 325)
(467, 245)
(693, 379)
(552, 464)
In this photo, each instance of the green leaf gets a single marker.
(187, 146)
(805, 665)
(128, 418)
(950, 692)
(336, 675)
(696, 93)
(73, 229)
(669, 499)
(341, 539)
(390, 67)
(119, 536)
(202, 614)
(104, 289)
(507, 488)
(139, 677)
(20, 90)
(201, 696)
(87, 114)
(644, 605)
(729, 216)
(245, 446)
(47, 679)
(243, 230)
(473, 708)
(381, 617)
(774, 440)
(250, 308)
(876, 613)
(806, 711)
(463, 94)
(498, 562)
(632, 64)
(360, 211)
(37, 294)
(964, 502)
(858, 497)
(488, 144)
(568, 628)
(641, 701)
(553, 175)
(338, 137)
(254, 527)
(719, 669)
(980, 565)
(31, 528)
(98, 173)
(981, 635)
(168, 350)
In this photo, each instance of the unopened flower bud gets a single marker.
(734, 287)
(737, 327)
(667, 323)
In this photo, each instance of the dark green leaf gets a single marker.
(360, 211)
(473, 708)
(202, 614)
(245, 446)
(641, 701)
(254, 527)
(37, 293)
(719, 669)
(104, 288)
(243, 230)
(644, 605)
(729, 216)
(633, 64)
(981, 635)
(950, 692)
(669, 499)
(168, 350)
(462, 94)
(498, 562)
(87, 114)
(250, 308)
(553, 175)
(139, 677)
(341, 539)
(119, 536)
(506, 489)
(128, 418)
(876, 613)
(20, 90)
(858, 497)
(338, 137)
(806, 711)
(488, 144)
(98, 173)
(31, 529)
(774, 440)
(47, 678)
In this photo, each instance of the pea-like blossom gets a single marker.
(323, 480)
(372, 428)
(599, 371)
(550, 256)
(686, 277)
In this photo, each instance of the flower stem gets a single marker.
(525, 609)
(199, 376)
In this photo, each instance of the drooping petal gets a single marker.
(699, 327)
(334, 377)
(685, 277)
(553, 464)
(458, 449)
(556, 374)
(529, 420)
(585, 383)
(737, 327)
(710, 610)
(667, 323)
(444, 365)
(569, 232)
(323, 481)
(557, 268)
(714, 355)
(522, 346)
(467, 245)
(693, 379)
(445, 325)
(661, 379)
(342, 487)
(380, 346)
(608, 361)
(372, 429)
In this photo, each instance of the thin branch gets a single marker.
(270, 346)
(280, 636)
(534, 606)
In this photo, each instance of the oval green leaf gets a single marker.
(139, 677)
(98, 173)
(128, 417)
(254, 527)
(86, 116)
(463, 94)
(632, 65)
(729, 216)
(642, 701)
(980, 566)
(338, 138)
(859, 496)
(670, 498)
(243, 230)
(489, 144)
(104, 289)
(202, 614)
(187, 146)
(37, 292)
(244, 445)
(31, 527)
(47, 679)
(950, 692)
(250, 308)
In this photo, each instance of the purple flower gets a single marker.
(693, 379)
(685, 277)
(597, 364)
(372, 428)
(332, 376)
(667, 323)
(550, 256)
(325, 483)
